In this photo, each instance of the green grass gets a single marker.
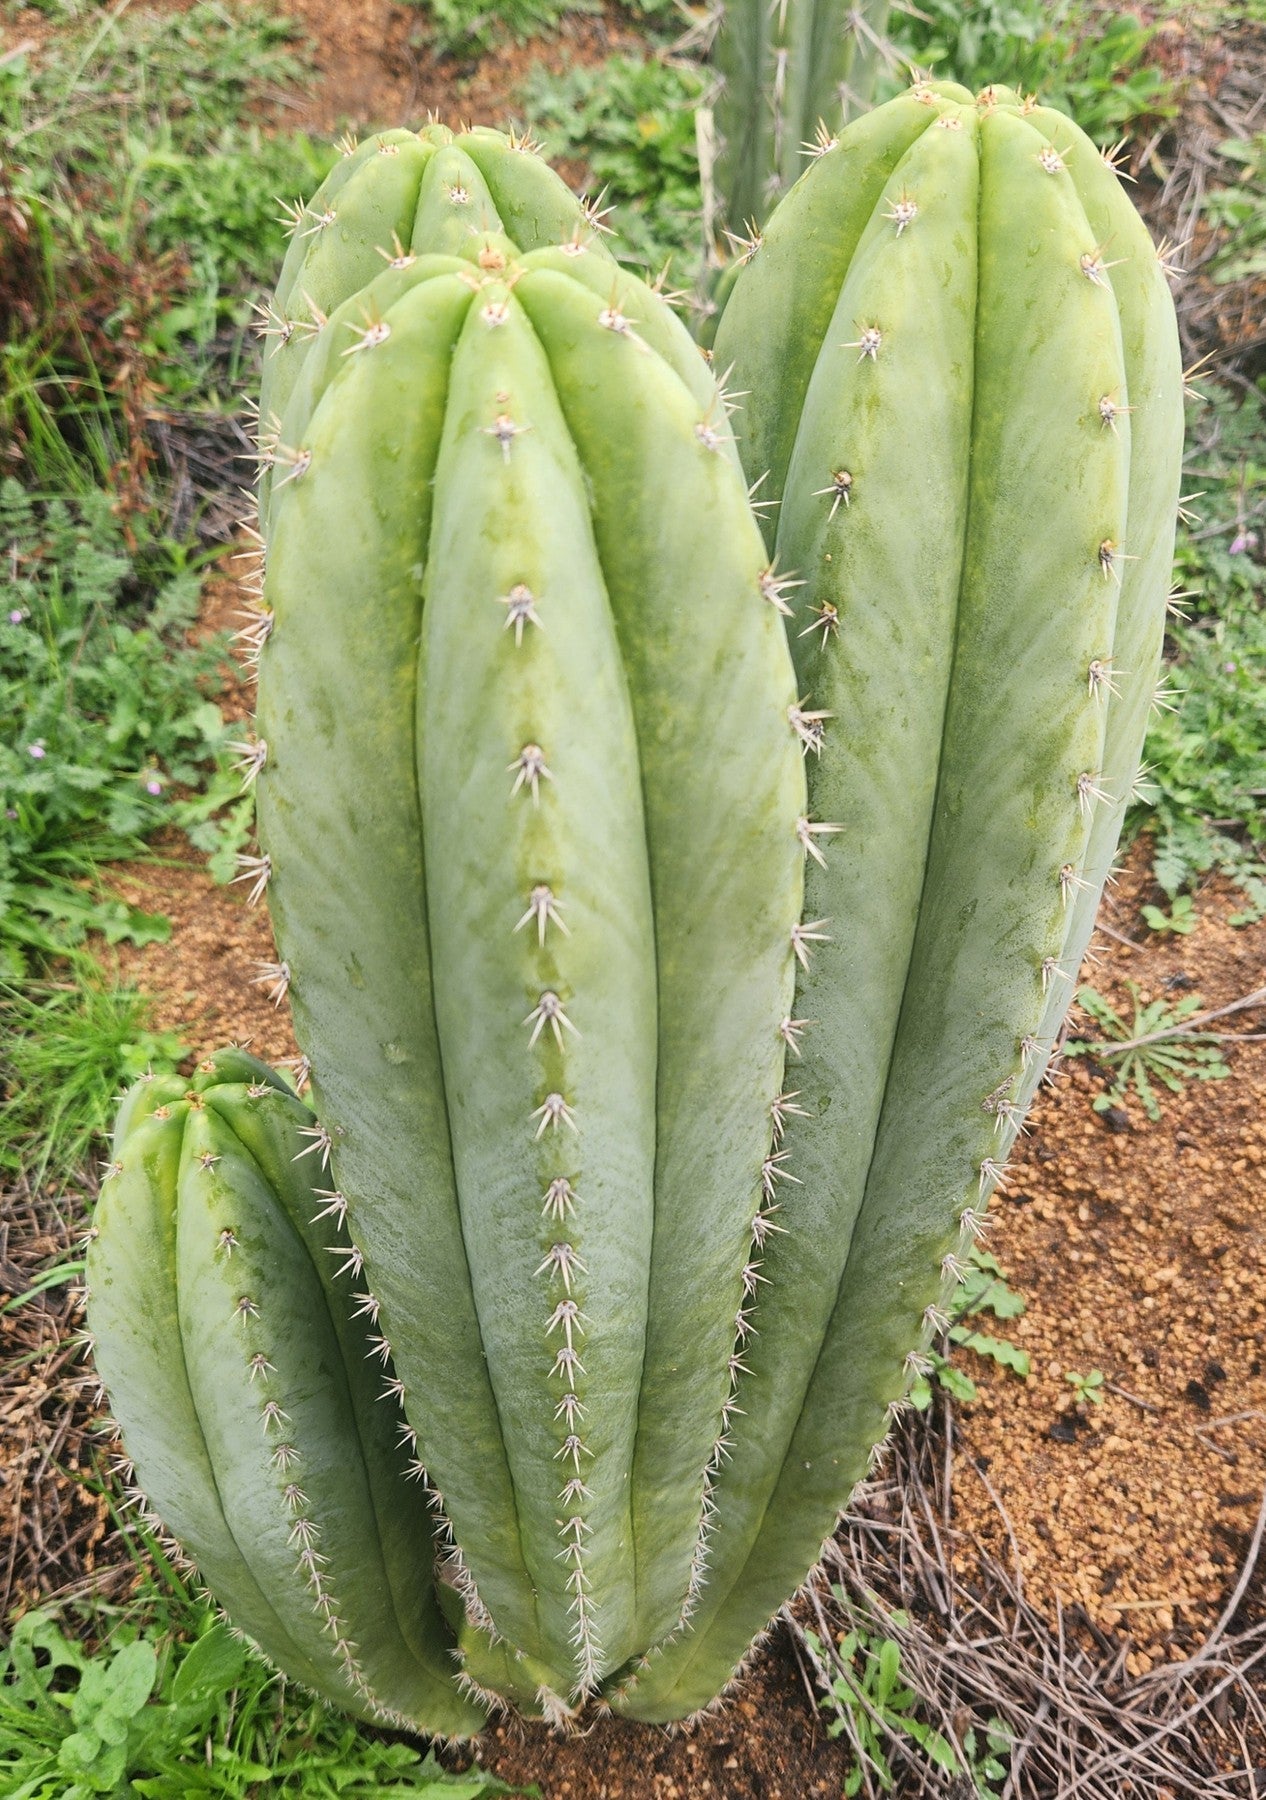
(1086, 57)
(1204, 792)
(470, 28)
(159, 1699)
(67, 1044)
(112, 716)
(631, 121)
(132, 155)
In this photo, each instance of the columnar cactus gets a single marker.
(250, 1390)
(787, 71)
(965, 386)
(671, 1009)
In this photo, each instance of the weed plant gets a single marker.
(137, 211)
(109, 713)
(1081, 55)
(631, 121)
(472, 27)
(1155, 1047)
(66, 1046)
(162, 1700)
(1204, 794)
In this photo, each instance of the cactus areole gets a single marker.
(677, 923)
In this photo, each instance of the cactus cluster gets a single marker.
(677, 908)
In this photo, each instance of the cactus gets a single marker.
(250, 1391)
(787, 71)
(394, 197)
(535, 912)
(671, 1010)
(966, 387)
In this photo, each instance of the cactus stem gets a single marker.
(826, 620)
(543, 907)
(528, 768)
(549, 1011)
(562, 1260)
(841, 488)
(553, 1111)
(808, 831)
(804, 936)
(560, 1199)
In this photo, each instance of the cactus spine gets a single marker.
(672, 1008)
(787, 72)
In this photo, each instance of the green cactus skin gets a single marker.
(943, 331)
(787, 71)
(247, 1392)
(397, 196)
(538, 906)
